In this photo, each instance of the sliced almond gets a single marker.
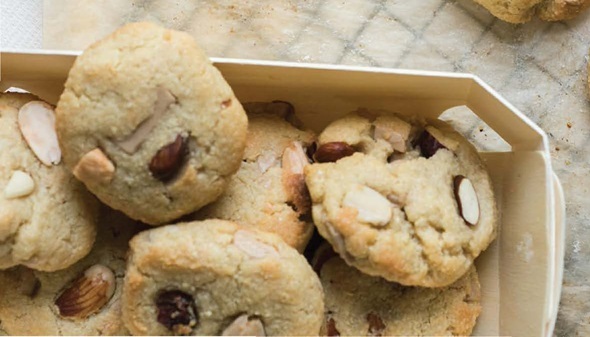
(20, 185)
(87, 294)
(294, 161)
(245, 326)
(371, 205)
(466, 200)
(36, 121)
(131, 142)
(247, 242)
(95, 167)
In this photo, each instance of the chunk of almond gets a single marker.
(371, 205)
(87, 294)
(395, 131)
(36, 121)
(248, 243)
(131, 142)
(294, 161)
(20, 185)
(95, 167)
(466, 200)
(245, 326)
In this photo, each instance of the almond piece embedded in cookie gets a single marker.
(294, 161)
(169, 159)
(466, 200)
(245, 326)
(87, 294)
(371, 205)
(94, 167)
(396, 133)
(248, 243)
(36, 121)
(20, 185)
(131, 143)
(332, 152)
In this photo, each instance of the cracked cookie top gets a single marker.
(268, 192)
(215, 277)
(83, 299)
(149, 125)
(47, 218)
(412, 203)
(361, 305)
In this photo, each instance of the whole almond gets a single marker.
(331, 152)
(169, 159)
(87, 294)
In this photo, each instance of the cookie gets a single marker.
(149, 125)
(519, 11)
(47, 218)
(360, 305)
(417, 215)
(218, 278)
(268, 192)
(84, 299)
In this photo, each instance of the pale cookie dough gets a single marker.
(520, 11)
(268, 192)
(218, 278)
(84, 299)
(360, 305)
(418, 216)
(47, 218)
(149, 124)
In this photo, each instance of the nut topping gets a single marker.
(87, 294)
(94, 167)
(331, 328)
(20, 185)
(372, 207)
(169, 159)
(428, 144)
(247, 242)
(376, 325)
(294, 160)
(245, 326)
(177, 312)
(131, 143)
(466, 200)
(331, 152)
(396, 133)
(36, 121)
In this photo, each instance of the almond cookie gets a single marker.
(47, 218)
(146, 120)
(218, 278)
(84, 299)
(519, 11)
(360, 305)
(417, 215)
(268, 191)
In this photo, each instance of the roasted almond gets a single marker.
(294, 161)
(331, 152)
(87, 294)
(169, 159)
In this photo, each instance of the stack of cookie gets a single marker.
(390, 211)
